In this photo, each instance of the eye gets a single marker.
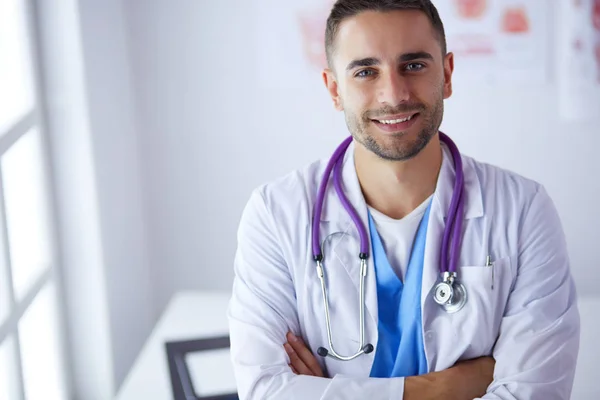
(415, 66)
(365, 73)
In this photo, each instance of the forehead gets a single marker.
(385, 34)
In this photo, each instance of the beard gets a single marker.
(397, 146)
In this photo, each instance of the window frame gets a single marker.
(30, 121)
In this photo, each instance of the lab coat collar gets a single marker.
(445, 186)
(333, 210)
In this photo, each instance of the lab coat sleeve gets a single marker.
(536, 351)
(263, 309)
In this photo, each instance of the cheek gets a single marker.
(430, 91)
(357, 99)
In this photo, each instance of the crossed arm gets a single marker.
(465, 381)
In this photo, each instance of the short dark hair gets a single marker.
(343, 9)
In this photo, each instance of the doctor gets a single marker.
(511, 330)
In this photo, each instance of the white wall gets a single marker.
(120, 198)
(196, 100)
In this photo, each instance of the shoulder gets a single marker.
(503, 189)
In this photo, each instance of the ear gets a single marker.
(332, 87)
(448, 69)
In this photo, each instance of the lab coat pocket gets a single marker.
(477, 325)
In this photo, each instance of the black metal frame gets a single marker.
(181, 382)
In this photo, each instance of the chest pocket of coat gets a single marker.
(477, 324)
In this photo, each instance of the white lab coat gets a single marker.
(528, 321)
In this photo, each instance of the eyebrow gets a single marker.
(419, 55)
(371, 61)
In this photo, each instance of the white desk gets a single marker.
(189, 315)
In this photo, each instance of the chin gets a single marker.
(398, 146)
(395, 147)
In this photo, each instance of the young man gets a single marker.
(517, 334)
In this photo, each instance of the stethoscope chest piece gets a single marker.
(444, 292)
(450, 294)
(459, 299)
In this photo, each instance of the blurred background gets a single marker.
(132, 133)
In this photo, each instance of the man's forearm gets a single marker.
(464, 381)
(425, 387)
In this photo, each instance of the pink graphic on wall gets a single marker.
(596, 15)
(471, 9)
(578, 58)
(596, 25)
(515, 20)
(312, 28)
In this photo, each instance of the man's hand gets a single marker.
(302, 361)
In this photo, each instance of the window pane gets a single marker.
(4, 300)
(43, 373)
(25, 199)
(4, 297)
(16, 83)
(8, 370)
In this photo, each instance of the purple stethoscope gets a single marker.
(448, 293)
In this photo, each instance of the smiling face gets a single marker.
(390, 78)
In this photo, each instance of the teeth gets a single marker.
(395, 121)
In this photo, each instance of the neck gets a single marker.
(395, 188)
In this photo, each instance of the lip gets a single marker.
(395, 128)
(396, 116)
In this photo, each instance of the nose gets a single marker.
(393, 89)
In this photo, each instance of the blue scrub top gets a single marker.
(400, 351)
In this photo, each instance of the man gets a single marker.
(517, 335)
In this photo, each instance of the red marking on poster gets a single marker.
(312, 28)
(471, 9)
(515, 20)
(596, 15)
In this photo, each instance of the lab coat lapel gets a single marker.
(431, 259)
(438, 217)
(340, 221)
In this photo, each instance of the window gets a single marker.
(31, 354)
